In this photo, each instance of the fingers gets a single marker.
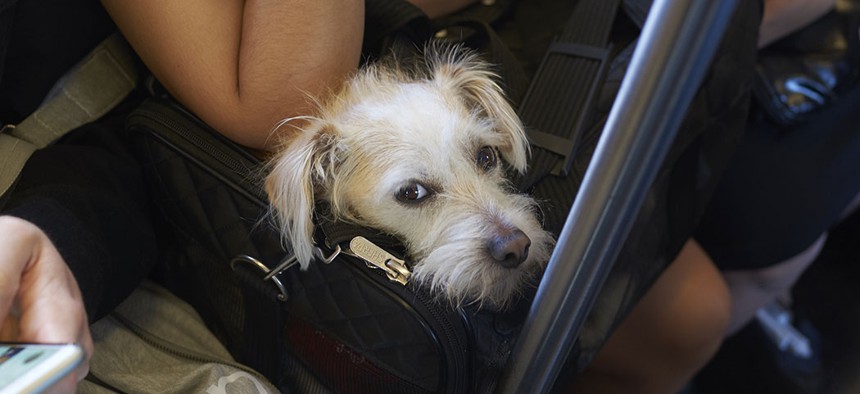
(16, 239)
(67, 384)
(52, 308)
(9, 331)
(39, 298)
(85, 340)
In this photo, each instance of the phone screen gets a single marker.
(34, 366)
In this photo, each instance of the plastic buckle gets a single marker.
(566, 147)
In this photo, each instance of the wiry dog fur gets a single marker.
(410, 149)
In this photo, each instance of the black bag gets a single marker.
(342, 325)
(346, 327)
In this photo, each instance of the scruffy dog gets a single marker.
(415, 149)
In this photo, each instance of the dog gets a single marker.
(419, 149)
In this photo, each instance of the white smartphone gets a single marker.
(32, 367)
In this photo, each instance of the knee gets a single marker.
(780, 277)
(672, 332)
(703, 313)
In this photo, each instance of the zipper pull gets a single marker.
(376, 257)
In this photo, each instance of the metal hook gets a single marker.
(289, 262)
(331, 257)
(262, 267)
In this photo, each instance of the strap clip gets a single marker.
(282, 291)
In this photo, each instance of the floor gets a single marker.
(827, 298)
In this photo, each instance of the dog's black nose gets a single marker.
(510, 249)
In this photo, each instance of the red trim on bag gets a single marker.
(339, 366)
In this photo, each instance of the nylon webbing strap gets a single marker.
(513, 77)
(263, 317)
(91, 89)
(386, 17)
(558, 103)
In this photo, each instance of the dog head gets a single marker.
(419, 150)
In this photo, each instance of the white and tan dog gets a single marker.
(416, 151)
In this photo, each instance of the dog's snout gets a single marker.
(510, 249)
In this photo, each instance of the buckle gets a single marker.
(580, 97)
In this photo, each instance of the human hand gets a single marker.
(39, 298)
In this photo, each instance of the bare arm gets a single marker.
(244, 65)
(782, 17)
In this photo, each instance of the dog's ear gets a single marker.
(462, 70)
(296, 174)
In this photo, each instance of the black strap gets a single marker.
(473, 27)
(475, 33)
(330, 234)
(387, 21)
(557, 106)
(263, 316)
(491, 13)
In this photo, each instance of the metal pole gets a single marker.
(677, 43)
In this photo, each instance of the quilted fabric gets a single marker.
(212, 219)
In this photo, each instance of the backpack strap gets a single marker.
(89, 90)
(557, 107)
(387, 22)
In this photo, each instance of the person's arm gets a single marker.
(782, 17)
(76, 238)
(39, 298)
(88, 197)
(242, 66)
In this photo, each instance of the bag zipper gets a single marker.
(172, 119)
(379, 258)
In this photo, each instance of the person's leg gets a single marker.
(671, 333)
(753, 289)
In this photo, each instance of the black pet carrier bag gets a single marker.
(348, 325)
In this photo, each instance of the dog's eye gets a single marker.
(412, 193)
(486, 158)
